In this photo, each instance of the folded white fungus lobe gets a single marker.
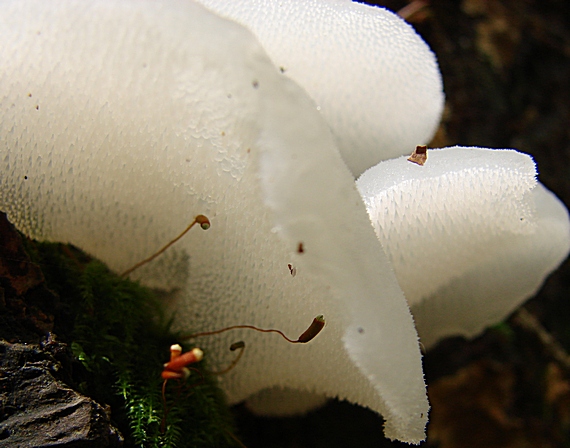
(373, 78)
(122, 121)
(470, 234)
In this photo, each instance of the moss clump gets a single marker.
(121, 338)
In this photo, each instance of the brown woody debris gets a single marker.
(419, 156)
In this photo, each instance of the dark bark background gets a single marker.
(506, 72)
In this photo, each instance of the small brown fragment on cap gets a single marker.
(419, 156)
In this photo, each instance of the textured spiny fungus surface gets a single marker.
(122, 121)
(374, 80)
(470, 234)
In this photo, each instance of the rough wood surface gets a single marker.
(39, 410)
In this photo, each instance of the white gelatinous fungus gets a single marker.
(374, 79)
(470, 235)
(121, 121)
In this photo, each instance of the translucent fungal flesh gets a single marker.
(121, 121)
(470, 234)
(374, 80)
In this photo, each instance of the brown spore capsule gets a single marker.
(314, 329)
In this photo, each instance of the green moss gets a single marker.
(120, 339)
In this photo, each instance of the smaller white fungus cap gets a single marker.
(374, 79)
(470, 234)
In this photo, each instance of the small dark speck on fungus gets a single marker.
(300, 248)
(292, 270)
